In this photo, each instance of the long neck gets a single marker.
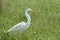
(28, 18)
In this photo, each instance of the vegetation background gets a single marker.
(45, 21)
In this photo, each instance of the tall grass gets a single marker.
(45, 21)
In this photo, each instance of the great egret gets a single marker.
(22, 25)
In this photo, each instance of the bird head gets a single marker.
(29, 9)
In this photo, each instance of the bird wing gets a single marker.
(17, 26)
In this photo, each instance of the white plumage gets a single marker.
(22, 25)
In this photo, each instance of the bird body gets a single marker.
(22, 25)
(18, 26)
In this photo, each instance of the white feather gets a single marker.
(22, 25)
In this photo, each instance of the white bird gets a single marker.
(22, 25)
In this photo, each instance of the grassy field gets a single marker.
(45, 21)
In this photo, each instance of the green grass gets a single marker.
(45, 21)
